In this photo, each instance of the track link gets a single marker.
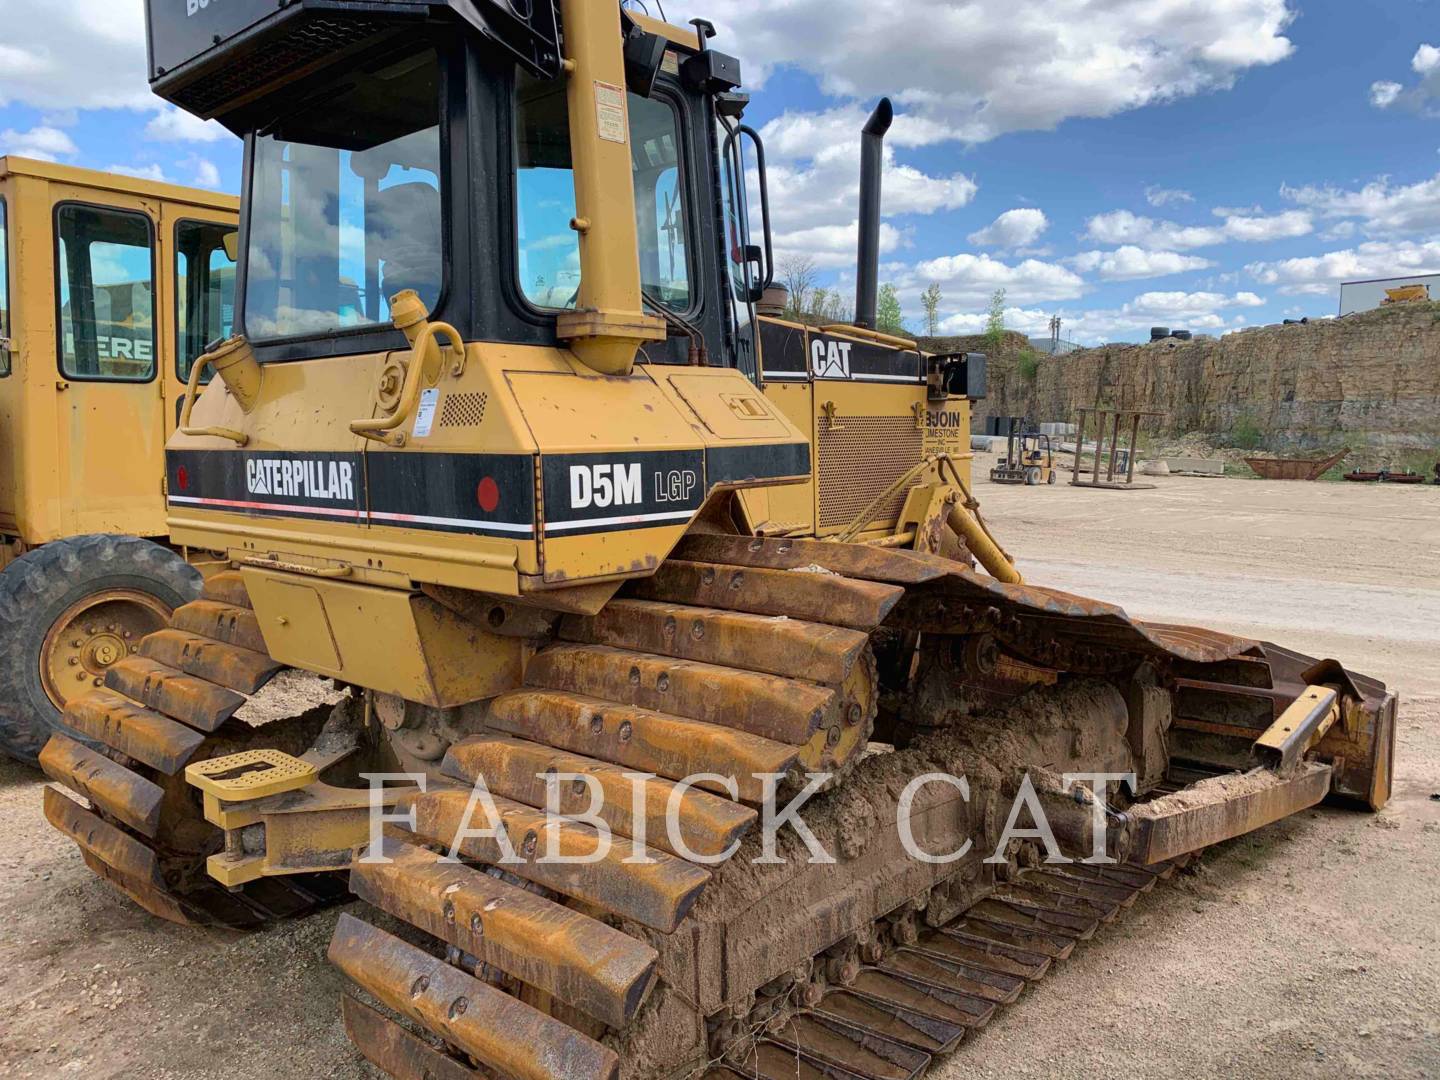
(740, 655)
(140, 826)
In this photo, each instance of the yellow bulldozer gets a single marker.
(694, 722)
(110, 288)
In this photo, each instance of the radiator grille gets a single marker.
(859, 459)
(463, 410)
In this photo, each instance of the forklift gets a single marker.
(1029, 458)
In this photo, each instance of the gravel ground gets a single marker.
(1309, 949)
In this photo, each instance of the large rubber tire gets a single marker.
(1032, 477)
(45, 584)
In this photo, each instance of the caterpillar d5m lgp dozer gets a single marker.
(569, 520)
(110, 288)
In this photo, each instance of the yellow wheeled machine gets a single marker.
(1028, 459)
(110, 288)
(502, 448)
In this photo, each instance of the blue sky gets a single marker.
(1209, 164)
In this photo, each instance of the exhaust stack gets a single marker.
(872, 164)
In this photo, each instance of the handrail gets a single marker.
(384, 428)
(192, 391)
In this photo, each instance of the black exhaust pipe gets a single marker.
(872, 167)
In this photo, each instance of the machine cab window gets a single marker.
(106, 294)
(204, 288)
(549, 250)
(346, 204)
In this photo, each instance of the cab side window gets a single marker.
(5, 344)
(106, 294)
(204, 288)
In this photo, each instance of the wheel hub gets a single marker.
(93, 635)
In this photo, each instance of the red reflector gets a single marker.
(182, 478)
(488, 495)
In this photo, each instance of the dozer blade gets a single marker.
(658, 893)
(241, 670)
(586, 964)
(490, 1025)
(396, 1052)
(955, 975)
(924, 1033)
(860, 1052)
(813, 596)
(227, 588)
(924, 999)
(226, 623)
(134, 730)
(789, 648)
(200, 704)
(706, 825)
(121, 852)
(772, 708)
(110, 787)
(639, 739)
(860, 561)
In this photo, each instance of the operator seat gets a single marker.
(407, 228)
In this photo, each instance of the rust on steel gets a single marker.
(639, 739)
(657, 894)
(396, 1052)
(585, 963)
(976, 981)
(705, 824)
(202, 705)
(861, 561)
(812, 595)
(109, 786)
(495, 1028)
(1026, 916)
(984, 955)
(227, 587)
(160, 904)
(134, 730)
(773, 708)
(789, 648)
(948, 1005)
(221, 622)
(241, 670)
(111, 845)
(1214, 810)
(931, 1034)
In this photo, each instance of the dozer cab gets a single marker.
(110, 288)
(500, 446)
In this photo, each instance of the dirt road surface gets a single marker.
(1310, 949)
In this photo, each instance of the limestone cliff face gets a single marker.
(1367, 380)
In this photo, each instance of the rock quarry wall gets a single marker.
(1369, 380)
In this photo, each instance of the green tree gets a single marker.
(930, 298)
(819, 303)
(888, 316)
(995, 324)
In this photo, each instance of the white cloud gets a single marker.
(1158, 196)
(969, 280)
(1012, 229)
(140, 172)
(830, 247)
(1383, 208)
(986, 67)
(1320, 274)
(1385, 94)
(1129, 263)
(80, 54)
(207, 173)
(1193, 311)
(1424, 96)
(41, 143)
(172, 125)
(1123, 227)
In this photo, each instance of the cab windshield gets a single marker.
(345, 206)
